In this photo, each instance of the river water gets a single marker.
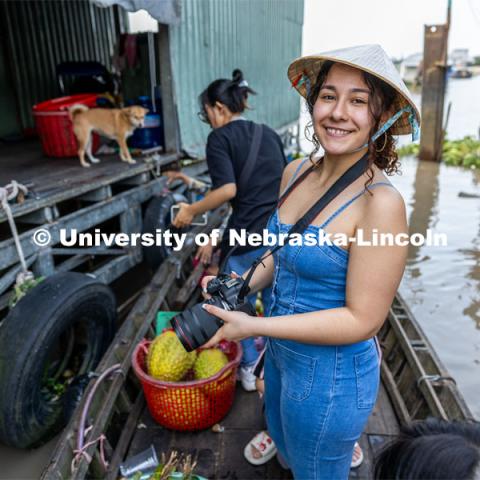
(442, 284)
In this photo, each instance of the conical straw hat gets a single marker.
(303, 73)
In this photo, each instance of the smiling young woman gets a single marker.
(328, 302)
(345, 107)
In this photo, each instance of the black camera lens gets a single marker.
(195, 326)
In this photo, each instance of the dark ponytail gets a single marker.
(231, 93)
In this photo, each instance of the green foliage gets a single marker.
(460, 153)
(57, 389)
(175, 468)
(20, 291)
(412, 149)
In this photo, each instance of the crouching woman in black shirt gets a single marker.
(221, 106)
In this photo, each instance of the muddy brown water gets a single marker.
(442, 283)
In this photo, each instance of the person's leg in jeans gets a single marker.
(239, 264)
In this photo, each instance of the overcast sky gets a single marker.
(396, 25)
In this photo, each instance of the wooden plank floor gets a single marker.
(26, 163)
(53, 180)
(220, 455)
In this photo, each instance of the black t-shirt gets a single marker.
(227, 151)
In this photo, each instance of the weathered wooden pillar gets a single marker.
(169, 104)
(433, 91)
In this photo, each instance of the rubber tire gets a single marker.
(157, 215)
(30, 330)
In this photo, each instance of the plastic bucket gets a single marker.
(54, 126)
(189, 405)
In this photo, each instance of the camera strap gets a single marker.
(354, 172)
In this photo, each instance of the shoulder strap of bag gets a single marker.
(354, 172)
(252, 156)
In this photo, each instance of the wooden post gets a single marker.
(424, 204)
(169, 104)
(433, 91)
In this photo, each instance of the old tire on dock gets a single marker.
(62, 326)
(158, 216)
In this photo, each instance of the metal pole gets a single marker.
(152, 69)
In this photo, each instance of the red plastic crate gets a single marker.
(54, 126)
(189, 405)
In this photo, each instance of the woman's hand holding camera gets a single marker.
(236, 325)
(207, 279)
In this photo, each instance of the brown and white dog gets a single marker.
(115, 123)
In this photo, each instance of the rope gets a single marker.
(80, 451)
(83, 453)
(435, 378)
(7, 193)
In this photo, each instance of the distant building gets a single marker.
(460, 57)
(410, 68)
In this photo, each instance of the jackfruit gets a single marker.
(209, 362)
(167, 360)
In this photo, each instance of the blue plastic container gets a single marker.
(151, 135)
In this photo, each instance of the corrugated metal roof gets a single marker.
(261, 37)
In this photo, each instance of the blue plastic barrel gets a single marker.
(151, 134)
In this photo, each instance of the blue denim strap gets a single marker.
(349, 202)
(295, 174)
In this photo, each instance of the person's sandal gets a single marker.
(263, 443)
(357, 457)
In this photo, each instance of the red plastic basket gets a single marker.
(190, 405)
(54, 126)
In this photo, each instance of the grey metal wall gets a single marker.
(41, 34)
(261, 37)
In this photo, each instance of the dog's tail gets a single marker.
(75, 110)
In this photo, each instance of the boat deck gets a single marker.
(220, 455)
(52, 180)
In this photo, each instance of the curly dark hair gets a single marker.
(382, 152)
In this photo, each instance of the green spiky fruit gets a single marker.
(167, 360)
(209, 362)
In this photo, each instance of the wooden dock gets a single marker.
(220, 455)
(55, 180)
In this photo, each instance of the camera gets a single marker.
(195, 326)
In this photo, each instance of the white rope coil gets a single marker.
(8, 193)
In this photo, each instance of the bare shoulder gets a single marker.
(290, 170)
(385, 207)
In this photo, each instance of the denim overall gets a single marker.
(317, 397)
